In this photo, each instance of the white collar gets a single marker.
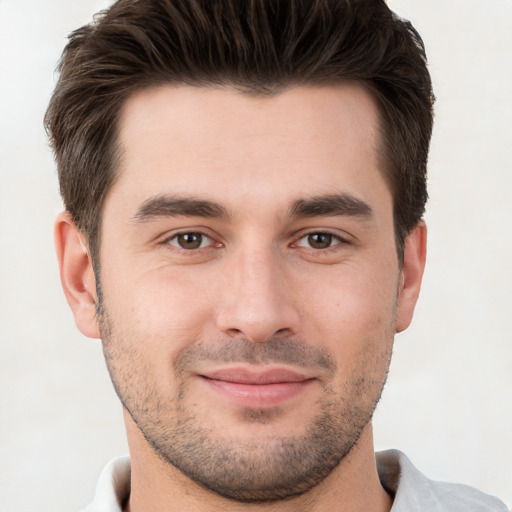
(412, 491)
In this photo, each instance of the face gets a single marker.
(250, 283)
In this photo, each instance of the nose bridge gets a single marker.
(258, 277)
(257, 303)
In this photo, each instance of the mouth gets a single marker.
(257, 390)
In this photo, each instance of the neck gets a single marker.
(157, 486)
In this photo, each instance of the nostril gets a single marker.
(235, 333)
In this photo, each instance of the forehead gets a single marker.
(205, 141)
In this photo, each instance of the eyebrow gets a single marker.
(330, 206)
(177, 206)
(173, 206)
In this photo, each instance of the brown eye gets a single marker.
(320, 240)
(190, 241)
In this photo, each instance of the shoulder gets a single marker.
(415, 492)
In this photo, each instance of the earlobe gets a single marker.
(76, 274)
(415, 252)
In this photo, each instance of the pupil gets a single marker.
(320, 240)
(190, 240)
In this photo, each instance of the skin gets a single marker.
(259, 284)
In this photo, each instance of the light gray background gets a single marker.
(448, 403)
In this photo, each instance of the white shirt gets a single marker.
(412, 491)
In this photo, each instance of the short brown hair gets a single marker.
(255, 46)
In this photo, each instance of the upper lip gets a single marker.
(246, 376)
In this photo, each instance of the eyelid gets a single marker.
(206, 233)
(342, 239)
(206, 241)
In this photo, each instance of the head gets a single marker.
(247, 181)
(258, 48)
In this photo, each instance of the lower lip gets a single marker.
(258, 396)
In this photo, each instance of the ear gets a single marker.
(415, 253)
(76, 274)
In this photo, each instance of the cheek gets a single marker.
(353, 302)
(163, 311)
(354, 319)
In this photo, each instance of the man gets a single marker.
(244, 184)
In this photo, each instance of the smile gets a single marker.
(257, 390)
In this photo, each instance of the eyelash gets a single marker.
(337, 239)
(198, 233)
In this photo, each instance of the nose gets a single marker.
(257, 300)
